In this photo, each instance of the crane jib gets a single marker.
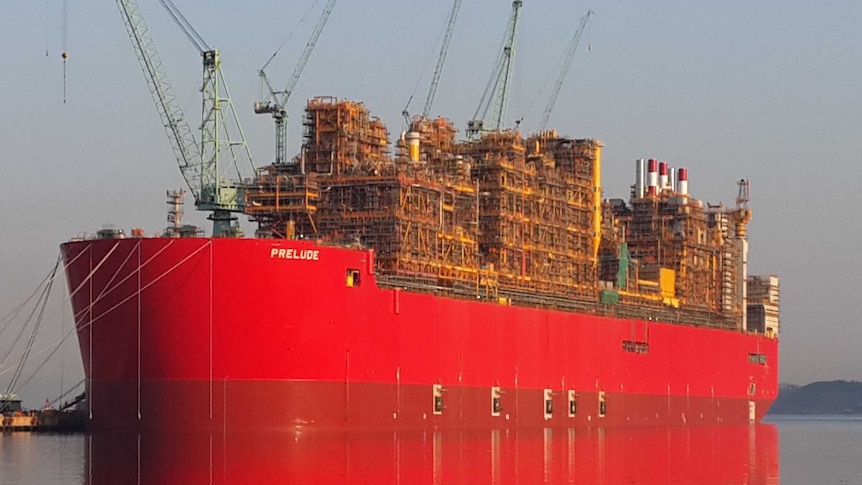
(221, 134)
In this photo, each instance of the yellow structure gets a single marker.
(667, 282)
(517, 220)
(597, 200)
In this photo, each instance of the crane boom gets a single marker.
(306, 54)
(444, 48)
(185, 26)
(567, 62)
(183, 142)
(496, 95)
(276, 105)
(200, 165)
(501, 104)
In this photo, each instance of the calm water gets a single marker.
(786, 450)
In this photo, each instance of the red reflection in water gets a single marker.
(716, 455)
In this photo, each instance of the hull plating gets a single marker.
(217, 333)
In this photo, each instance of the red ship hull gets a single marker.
(212, 334)
(645, 456)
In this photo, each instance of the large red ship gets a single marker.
(478, 283)
(494, 288)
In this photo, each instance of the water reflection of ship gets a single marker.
(726, 454)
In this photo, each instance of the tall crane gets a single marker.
(438, 70)
(567, 62)
(496, 95)
(200, 164)
(276, 101)
(444, 48)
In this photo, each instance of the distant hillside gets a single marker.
(833, 397)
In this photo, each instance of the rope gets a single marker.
(34, 354)
(555, 70)
(106, 291)
(13, 314)
(154, 281)
(39, 290)
(139, 336)
(42, 304)
(45, 360)
(117, 272)
(24, 327)
(211, 331)
(406, 110)
(93, 271)
(66, 393)
(63, 326)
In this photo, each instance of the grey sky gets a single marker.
(765, 90)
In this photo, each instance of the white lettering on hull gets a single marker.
(302, 254)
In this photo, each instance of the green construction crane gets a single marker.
(495, 98)
(275, 102)
(201, 164)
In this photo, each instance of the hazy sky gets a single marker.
(768, 90)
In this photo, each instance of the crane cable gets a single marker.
(493, 81)
(551, 75)
(406, 111)
(48, 28)
(295, 28)
(65, 54)
(558, 66)
(186, 26)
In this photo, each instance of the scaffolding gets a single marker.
(503, 217)
(283, 201)
(421, 223)
(341, 137)
(670, 231)
(536, 209)
(436, 138)
(409, 221)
